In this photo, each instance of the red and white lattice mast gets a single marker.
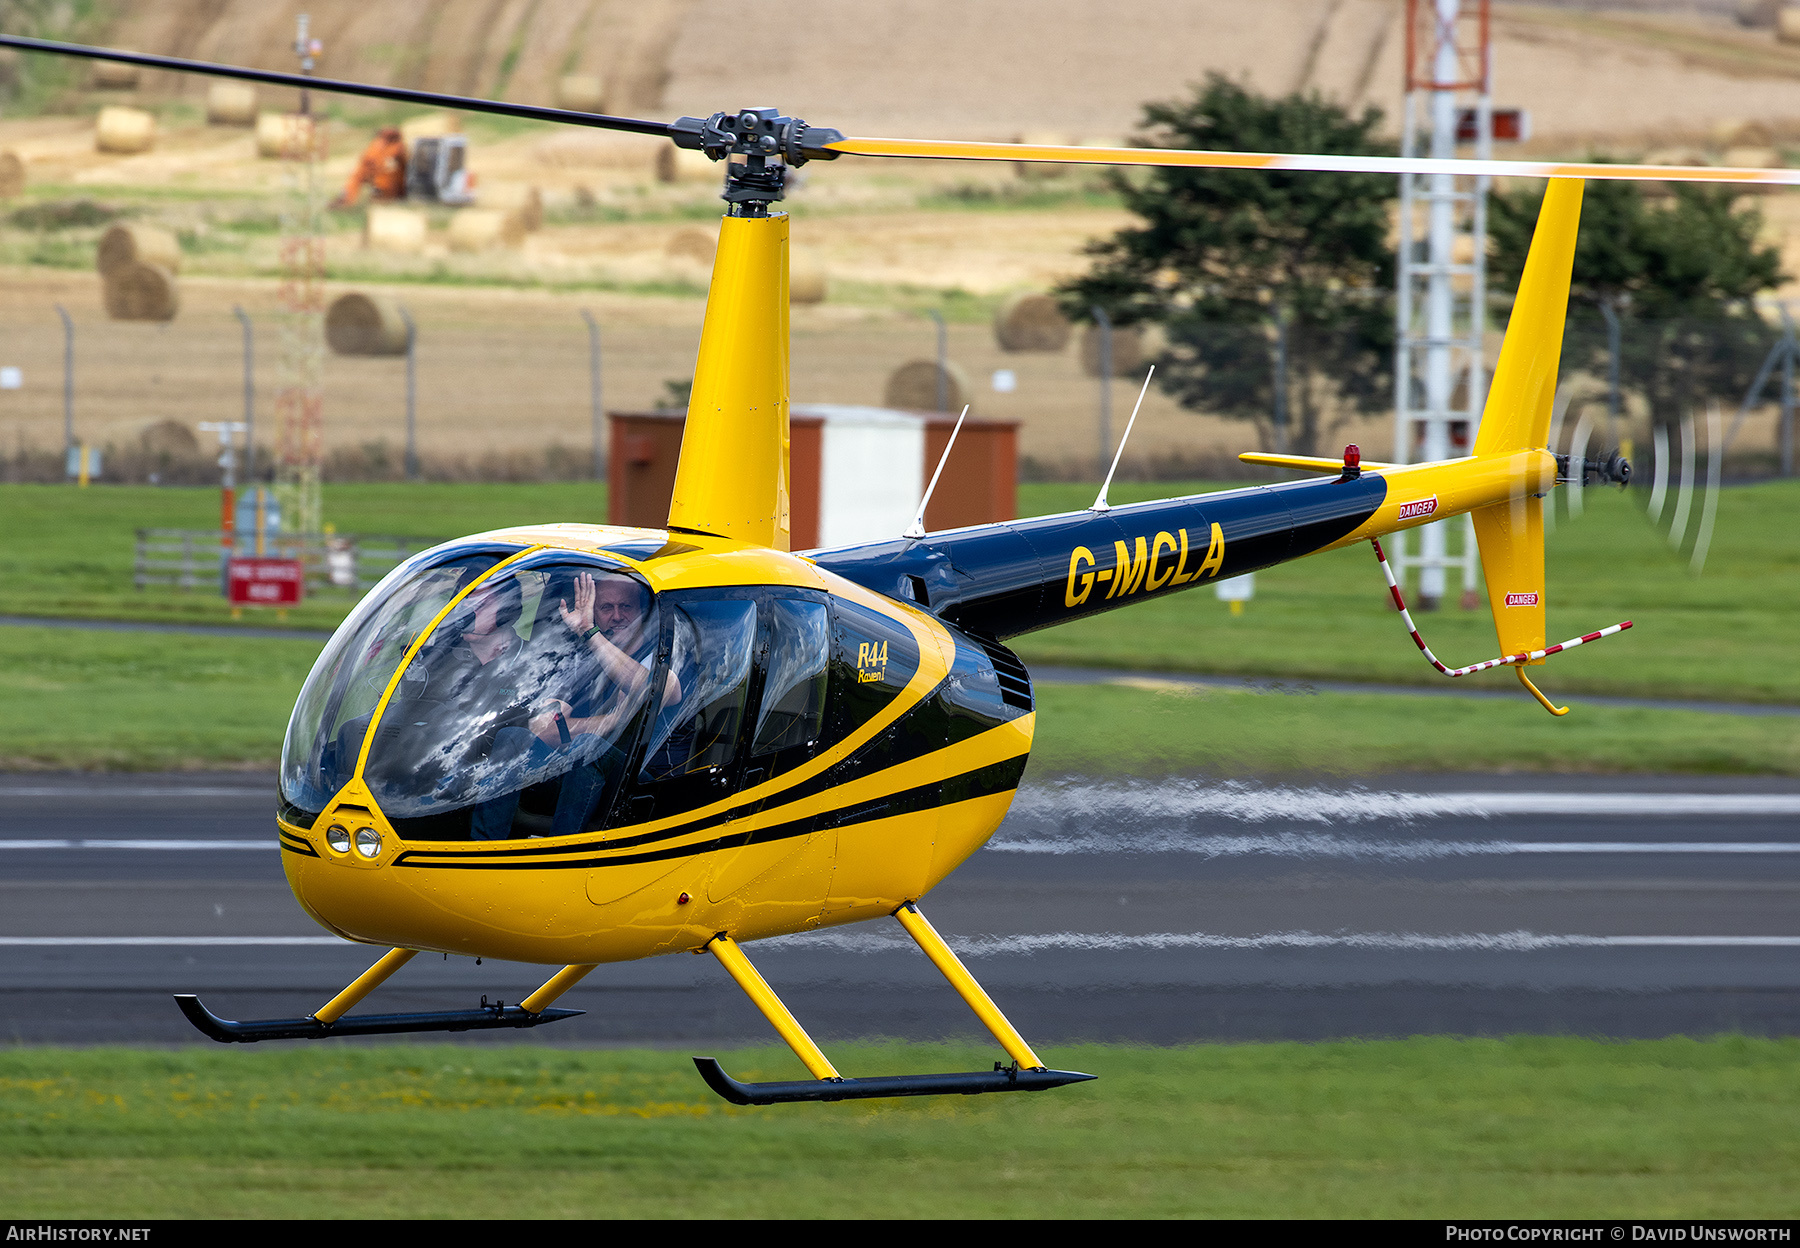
(299, 399)
(1440, 382)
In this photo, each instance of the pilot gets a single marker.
(478, 668)
(609, 625)
(609, 619)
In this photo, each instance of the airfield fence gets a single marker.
(513, 401)
(189, 559)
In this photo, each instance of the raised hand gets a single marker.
(582, 617)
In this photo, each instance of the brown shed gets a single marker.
(858, 472)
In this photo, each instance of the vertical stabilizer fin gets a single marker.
(1511, 537)
(732, 480)
(1517, 416)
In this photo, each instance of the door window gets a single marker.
(711, 649)
(791, 718)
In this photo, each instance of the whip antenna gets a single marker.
(1100, 503)
(917, 528)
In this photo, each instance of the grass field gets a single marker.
(82, 699)
(1423, 1128)
(1730, 633)
(158, 701)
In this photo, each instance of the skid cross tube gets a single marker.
(330, 1019)
(828, 1085)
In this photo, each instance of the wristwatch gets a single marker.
(590, 632)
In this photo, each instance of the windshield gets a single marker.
(508, 721)
(326, 731)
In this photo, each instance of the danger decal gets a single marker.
(1521, 600)
(1418, 507)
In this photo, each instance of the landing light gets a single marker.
(338, 837)
(368, 842)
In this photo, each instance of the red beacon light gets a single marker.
(1352, 463)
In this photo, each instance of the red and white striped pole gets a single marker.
(1509, 659)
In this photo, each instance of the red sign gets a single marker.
(1521, 600)
(266, 582)
(1511, 125)
(1419, 507)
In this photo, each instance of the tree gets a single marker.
(1275, 289)
(1682, 275)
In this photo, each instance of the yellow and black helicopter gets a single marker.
(575, 744)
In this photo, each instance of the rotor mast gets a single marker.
(732, 477)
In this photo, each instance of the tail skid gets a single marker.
(1517, 661)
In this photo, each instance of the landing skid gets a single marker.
(332, 1019)
(1000, 1079)
(1026, 1074)
(225, 1031)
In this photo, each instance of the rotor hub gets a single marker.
(760, 136)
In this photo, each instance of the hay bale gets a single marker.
(477, 229)
(681, 164)
(231, 104)
(1736, 132)
(170, 439)
(1787, 24)
(394, 229)
(525, 201)
(141, 292)
(1047, 138)
(693, 244)
(124, 245)
(124, 130)
(585, 93)
(282, 134)
(1133, 347)
(113, 76)
(362, 324)
(1028, 322)
(1751, 158)
(914, 386)
(807, 282)
(429, 126)
(12, 175)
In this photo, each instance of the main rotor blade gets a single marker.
(1167, 157)
(402, 95)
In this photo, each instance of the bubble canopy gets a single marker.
(487, 691)
(518, 683)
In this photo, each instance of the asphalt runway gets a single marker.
(1157, 913)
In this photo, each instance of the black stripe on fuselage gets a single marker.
(1010, 578)
(296, 844)
(994, 778)
(913, 735)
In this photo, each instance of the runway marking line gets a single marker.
(994, 946)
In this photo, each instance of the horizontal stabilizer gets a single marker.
(1305, 463)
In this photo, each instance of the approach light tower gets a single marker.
(1440, 380)
(299, 398)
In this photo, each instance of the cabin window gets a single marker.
(791, 719)
(514, 716)
(711, 648)
(332, 716)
